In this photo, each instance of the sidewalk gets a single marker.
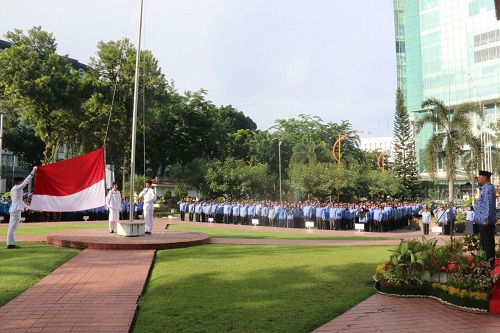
(96, 291)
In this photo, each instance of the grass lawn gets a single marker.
(21, 269)
(216, 232)
(237, 288)
(27, 229)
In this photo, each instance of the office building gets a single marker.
(449, 50)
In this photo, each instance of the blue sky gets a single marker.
(273, 59)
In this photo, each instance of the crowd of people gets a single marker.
(376, 216)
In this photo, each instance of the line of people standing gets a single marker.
(376, 217)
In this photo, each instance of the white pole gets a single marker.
(2, 189)
(134, 118)
(279, 162)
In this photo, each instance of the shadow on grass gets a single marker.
(255, 289)
(24, 267)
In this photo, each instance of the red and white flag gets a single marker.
(70, 185)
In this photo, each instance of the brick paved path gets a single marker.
(96, 291)
(388, 314)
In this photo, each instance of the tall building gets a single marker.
(449, 50)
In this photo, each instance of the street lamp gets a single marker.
(1, 150)
(279, 164)
(280, 141)
(337, 143)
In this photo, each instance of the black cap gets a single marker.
(485, 173)
(18, 179)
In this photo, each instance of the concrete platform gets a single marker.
(101, 239)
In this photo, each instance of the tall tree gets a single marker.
(452, 132)
(42, 84)
(110, 108)
(405, 160)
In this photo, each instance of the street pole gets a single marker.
(1, 150)
(279, 164)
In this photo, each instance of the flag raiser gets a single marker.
(70, 185)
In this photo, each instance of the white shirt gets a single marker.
(113, 199)
(149, 197)
(16, 194)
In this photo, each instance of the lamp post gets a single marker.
(279, 164)
(337, 143)
(280, 141)
(1, 150)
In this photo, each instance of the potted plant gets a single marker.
(456, 272)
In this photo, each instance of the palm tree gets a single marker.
(452, 130)
(310, 153)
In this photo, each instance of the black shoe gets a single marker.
(112, 232)
(148, 233)
(13, 247)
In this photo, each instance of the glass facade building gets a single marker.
(449, 50)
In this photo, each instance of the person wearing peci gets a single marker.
(485, 215)
(149, 199)
(113, 201)
(16, 208)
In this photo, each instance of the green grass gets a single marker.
(264, 234)
(21, 269)
(27, 229)
(236, 288)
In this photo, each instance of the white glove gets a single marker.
(33, 172)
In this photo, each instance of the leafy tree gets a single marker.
(109, 111)
(44, 87)
(309, 153)
(237, 179)
(452, 132)
(405, 161)
(384, 184)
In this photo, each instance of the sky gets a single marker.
(270, 59)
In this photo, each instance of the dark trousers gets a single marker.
(183, 215)
(319, 223)
(487, 235)
(426, 228)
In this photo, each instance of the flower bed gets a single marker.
(427, 290)
(456, 273)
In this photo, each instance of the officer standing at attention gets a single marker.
(113, 201)
(485, 215)
(16, 208)
(149, 199)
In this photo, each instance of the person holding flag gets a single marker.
(16, 208)
(149, 199)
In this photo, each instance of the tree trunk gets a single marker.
(451, 191)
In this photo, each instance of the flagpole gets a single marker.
(134, 119)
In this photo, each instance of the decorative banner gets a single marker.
(70, 185)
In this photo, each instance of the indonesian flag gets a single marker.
(70, 185)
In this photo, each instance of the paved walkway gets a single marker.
(98, 290)
(388, 314)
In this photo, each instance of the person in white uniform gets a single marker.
(17, 207)
(113, 201)
(149, 199)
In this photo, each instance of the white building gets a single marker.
(379, 144)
